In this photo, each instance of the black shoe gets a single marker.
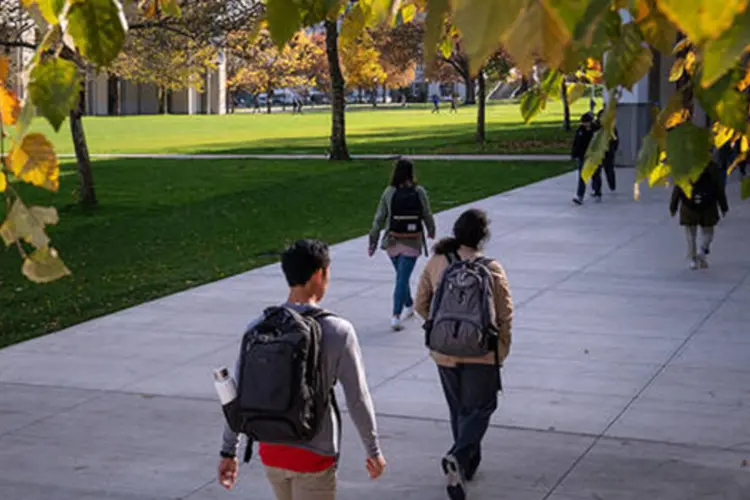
(454, 481)
(706, 250)
(577, 201)
(597, 198)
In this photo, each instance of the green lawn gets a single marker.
(397, 131)
(168, 225)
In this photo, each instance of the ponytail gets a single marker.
(446, 246)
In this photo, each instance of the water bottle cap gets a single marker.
(221, 373)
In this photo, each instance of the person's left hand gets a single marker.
(228, 472)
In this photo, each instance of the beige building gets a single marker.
(105, 95)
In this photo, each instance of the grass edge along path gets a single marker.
(169, 225)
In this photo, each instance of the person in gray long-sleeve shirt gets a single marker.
(307, 471)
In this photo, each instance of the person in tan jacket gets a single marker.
(470, 385)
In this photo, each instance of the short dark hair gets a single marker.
(472, 228)
(403, 172)
(304, 258)
(587, 118)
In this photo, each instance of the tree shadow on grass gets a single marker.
(506, 138)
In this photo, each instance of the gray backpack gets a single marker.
(462, 318)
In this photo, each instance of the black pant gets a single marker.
(596, 182)
(471, 392)
(609, 170)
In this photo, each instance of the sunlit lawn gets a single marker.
(397, 131)
(167, 225)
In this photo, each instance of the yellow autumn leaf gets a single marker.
(737, 161)
(44, 266)
(27, 224)
(34, 161)
(677, 118)
(678, 68)
(575, 91)
(745, 82)
(702, 19)
(3, 182)
(722, 134)
(681, 45)
(10, 106)
(659, 176)
(690, 63)
(4, 69)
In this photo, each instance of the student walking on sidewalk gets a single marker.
(404, 213)
(701, 209)
(581, 142)
(475, 332)
(301, 469)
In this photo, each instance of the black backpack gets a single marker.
(406, 212)
(704, 192)
(283, 395)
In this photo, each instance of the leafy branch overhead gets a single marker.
(71, 35)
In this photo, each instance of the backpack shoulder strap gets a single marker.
(452, 257)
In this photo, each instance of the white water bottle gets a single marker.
(225, 386)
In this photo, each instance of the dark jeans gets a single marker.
(581, 191)
(471, 392)
(402, 293)
(596, 182)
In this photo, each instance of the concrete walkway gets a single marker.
(209, 156)
(629, 377)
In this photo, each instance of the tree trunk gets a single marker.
(162, 92)
(338, 151)
(113, 94)
(269, 96)
(481, 105)
(86, 195)
(470, 91)
(385, 94)
(566, 107)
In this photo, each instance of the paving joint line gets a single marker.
(648, 384)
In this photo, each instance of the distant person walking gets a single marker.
(701, 210)
(435, 104)
(581, 142)
(404, 213)
(608, 164)
(466, 302)
(299, 337)
(454, 103)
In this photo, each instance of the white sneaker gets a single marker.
(693, 265)
(702, 261)
(408, 313)
(396, 325)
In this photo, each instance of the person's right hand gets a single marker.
(228, 472)
(376, 466)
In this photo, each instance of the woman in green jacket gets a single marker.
(404, 213)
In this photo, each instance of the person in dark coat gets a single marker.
(701, 209)
(608, 165)
(581, 142)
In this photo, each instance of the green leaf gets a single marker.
(538, 34)
(745, 188)
(595, 154)
(437, 11)
(688, 152)
(408, 13)
(629, 61)
(577, 15)
(483, 23)
(657, 30)
(44, 266)
(721, 54)
(702, 19)
(283, 20)
(648, 158)
(723, 102)
(27, 224)
(98, 29)
(575, 91)
(532, 103)
(54, 89)
(171, 8)
(51, 10)
(353, 24)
